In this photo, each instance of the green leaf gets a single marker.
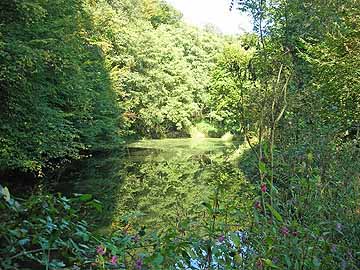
(84, 197)
(236, 239)
(6, 194)
(16, 233)
(24, 241)
(56, 264)
(191, 253)
(158, 260)
(96, 205)
(287, 260)
(262, 167)
(316, 262)
(269, 263)
(275, 213)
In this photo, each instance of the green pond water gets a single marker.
(163, 183)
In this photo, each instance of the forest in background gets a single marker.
(84, 76)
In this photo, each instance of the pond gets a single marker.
(168, 183)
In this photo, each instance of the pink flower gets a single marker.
(295, 233)
(257, 205)
(259, 264)
(138, 264)
(221, 238)
(263, 187)
(285, 231)
(100, 250)
(114, 260)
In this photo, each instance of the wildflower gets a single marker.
(338, 227)
(295, 233)
(138, 264)
(100, 250)
(259, 264)
(114, 260)
(333, 248)
(221, 238)
(263, 188)
(257, 205)
(285, 231)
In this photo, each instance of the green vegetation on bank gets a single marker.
(84, 76)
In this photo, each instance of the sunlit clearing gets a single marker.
(227, 137)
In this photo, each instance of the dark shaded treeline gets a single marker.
(57, 97)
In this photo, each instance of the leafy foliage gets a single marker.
(304, 140)
(55, 91)
(80, 76)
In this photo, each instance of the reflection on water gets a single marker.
(161, 183)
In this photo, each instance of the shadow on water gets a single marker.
(162, 183)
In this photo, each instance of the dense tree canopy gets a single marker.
(79, 77)
(75, 76)
(56, 93)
